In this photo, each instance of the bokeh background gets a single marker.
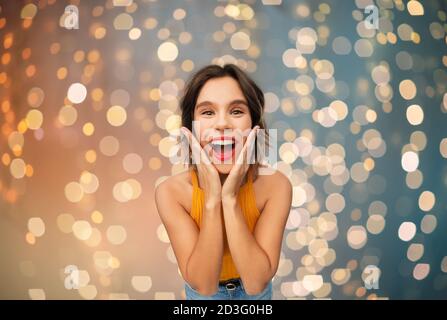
(87, 114)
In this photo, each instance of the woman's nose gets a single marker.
(222, 122)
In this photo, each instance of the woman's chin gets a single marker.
(223, 168)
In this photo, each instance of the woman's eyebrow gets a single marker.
(208, 103)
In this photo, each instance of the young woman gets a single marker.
(224, 219)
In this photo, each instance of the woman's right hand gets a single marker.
(208, 175)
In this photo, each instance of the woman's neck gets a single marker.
(223, 177)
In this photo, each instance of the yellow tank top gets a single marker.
(246, 199)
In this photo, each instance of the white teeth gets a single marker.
(222, 142)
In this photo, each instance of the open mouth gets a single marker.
(223, 149)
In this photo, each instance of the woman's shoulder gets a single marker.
(177, 181)
(176, 187)
(270, 179)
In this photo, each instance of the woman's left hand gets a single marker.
(234, 179)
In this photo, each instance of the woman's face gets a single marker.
(221, 113)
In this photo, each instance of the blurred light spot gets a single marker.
(415, 115)
(407, 231)
(35, 97)
(288, 152)
(30, 238)
(94, 239)
(363, 48)
(36, 294)
(340, 276)
(375, 224)
(141, 283)
(312, 282)
(88, 128)
(414, 179)
(404, 60)
(28, 12)
(407, 89)
(318, 247)
(341, 45)
(415, 251)
(89, 182)
(82, 229)
(17, 168)
(240, 41)
(173, 123)
(120, 97)
(88, 292)
(132, 163)
(116, 116)
(134, 34)
(427, 200)
(428, 223)
(340, 108)
(90, 156)
(167, 52)
(436, 30)
(123, 21)
(154, 163)
(114, 262)
(67, 115)
(415, 8)
(34, 119)
(444, 264)
(97, 217)
(335, 202)
(271, 2)
(298, 196)
(443, 148)
(404, 31)
(116, 234)
(109, 146)
(74, 192)
(418, 139)
(421, 271)
(359, 173)
(127, 190)
(36, 226)
(305, 40)
(77, 93)
(357, 237)
(410, 161)
(380, 74)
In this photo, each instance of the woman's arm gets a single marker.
(256, 255)
(198, 253)
(204, 265)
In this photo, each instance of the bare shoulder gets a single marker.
(176, 187)
(273, 179)
(271, 183)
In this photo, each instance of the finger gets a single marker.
(191, 144)
(204, 152)
(251, 144)
(198, 152)
(248, 147)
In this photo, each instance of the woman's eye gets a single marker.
(207, 113)
(238, 111)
